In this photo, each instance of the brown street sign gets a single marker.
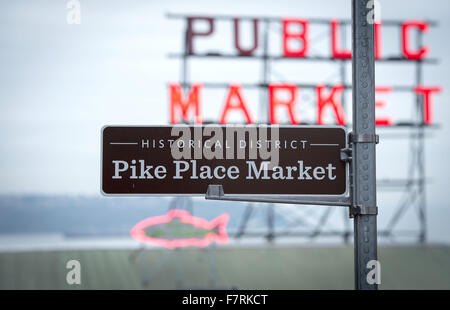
(263, 160)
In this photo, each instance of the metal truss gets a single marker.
(411, 187)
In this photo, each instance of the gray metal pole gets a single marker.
(343, 72)
(363, 164)
(420, 149)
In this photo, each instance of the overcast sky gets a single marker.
(60, 83)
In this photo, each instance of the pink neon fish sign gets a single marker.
(178, 228)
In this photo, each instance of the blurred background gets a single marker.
(70, 67)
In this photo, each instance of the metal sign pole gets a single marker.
(363, 138)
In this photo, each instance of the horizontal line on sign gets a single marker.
(324, 144)
(123, 143)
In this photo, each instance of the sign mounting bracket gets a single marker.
(363, 210)
(216, 192)
(363, 138)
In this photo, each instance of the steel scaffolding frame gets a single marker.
(412, 186)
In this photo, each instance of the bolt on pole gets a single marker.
(364, 141)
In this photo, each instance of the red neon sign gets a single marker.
(151, 230)
(235, 101)
(178, 101)
(336, 51)
(427, 102)
(284, 97)
(275, 102)
(332, 101)
(382, 121)
(245, 52)
(408, 52)
(289, 36)
(377, 30)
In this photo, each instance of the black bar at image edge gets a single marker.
(222, 298)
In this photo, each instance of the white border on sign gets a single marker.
(347, 171)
